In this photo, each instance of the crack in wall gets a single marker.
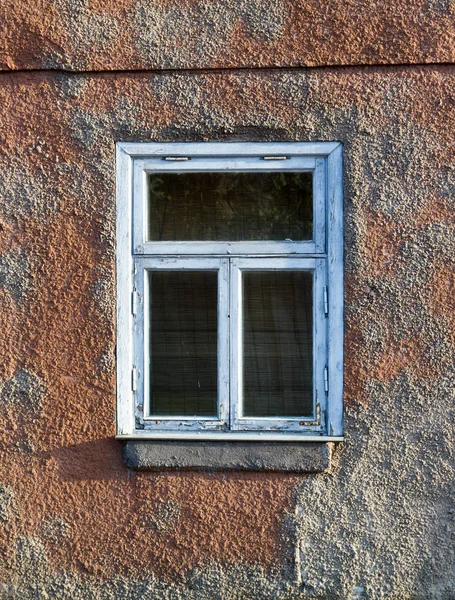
(206, 70)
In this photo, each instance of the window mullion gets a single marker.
(236, 358)
(223, 342)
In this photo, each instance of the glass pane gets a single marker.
(183, 343)
(230, 206)
(277, 344)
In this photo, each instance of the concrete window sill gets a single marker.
(284, 457)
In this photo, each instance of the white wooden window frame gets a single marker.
(137, 257)
(144, 267)
(314, 421)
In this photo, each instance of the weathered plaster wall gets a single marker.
(198, 34)
(74, 522)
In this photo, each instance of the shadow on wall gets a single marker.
(89, 461)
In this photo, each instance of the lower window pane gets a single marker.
(277, 344)
(183, 343)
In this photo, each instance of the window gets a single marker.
(230, 291)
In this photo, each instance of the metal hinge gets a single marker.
(326, 300)
(134, 302)
(326, 380)
(134, 379)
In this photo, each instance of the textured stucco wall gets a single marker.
(74, 522)
(200, 34)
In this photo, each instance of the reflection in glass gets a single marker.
(230, 206)
(183, 343)
(277, 344)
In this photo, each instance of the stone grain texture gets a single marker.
(199, 34)
(75, 522)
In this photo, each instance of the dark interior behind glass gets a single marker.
(230, 206)
(277, 344)
(183, 343)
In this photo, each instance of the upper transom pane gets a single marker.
(235, 206)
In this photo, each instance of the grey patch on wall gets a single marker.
(103, 292)
(197, 119)
(387, 182)
(70, 86)
(445, 182)
(374, 337)
(442, 5)
(88, 128)
(95, 31)
(163, 518)
(24, 390)
(131, 123)
(95, 133)
(55, 58)
(106, 362)
(125, 122)
(264, 22)
(27, 193)
(15, 273)
(163, 27)
(90, 31)
(36, 579)
(6, 502)
(56, 529)
(388, 540)
(292, 90)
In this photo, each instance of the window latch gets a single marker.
(176, 158)
(275, 157)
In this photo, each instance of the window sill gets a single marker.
(284, 457)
